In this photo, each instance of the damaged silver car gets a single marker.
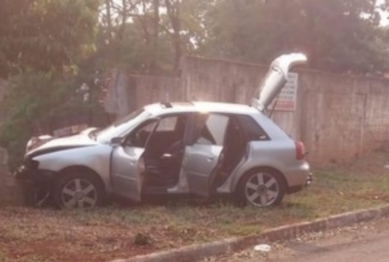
(196, 148)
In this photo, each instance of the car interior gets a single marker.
(165, 147)
(234, 148)
(231, 136)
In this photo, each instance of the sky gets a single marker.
(384, 15)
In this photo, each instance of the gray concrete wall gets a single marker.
(338, 117)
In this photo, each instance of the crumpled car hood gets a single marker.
(47, 144)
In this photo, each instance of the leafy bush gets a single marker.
(35, 104)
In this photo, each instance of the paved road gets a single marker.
(365, 242)
(372, 248)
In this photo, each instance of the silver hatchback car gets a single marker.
(197, 148)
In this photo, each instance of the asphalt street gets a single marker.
(360, 243)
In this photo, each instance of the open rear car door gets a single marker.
(205, 155)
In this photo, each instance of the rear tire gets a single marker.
(78, 189)
(262, 187)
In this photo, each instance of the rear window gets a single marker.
(252, 129)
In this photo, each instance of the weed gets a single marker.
(3, 257)
(97, 233)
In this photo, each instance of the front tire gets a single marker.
(78, 189)
(262, 188)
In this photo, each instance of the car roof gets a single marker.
(214, 107)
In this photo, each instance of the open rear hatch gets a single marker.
(275, 79)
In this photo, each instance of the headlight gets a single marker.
(35, 142)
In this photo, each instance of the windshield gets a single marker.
(122, 125)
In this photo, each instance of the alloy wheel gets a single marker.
(262, 189)
(79, 193)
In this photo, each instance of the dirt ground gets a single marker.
(122, 231)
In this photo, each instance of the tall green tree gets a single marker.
(337, 35)
(42, 42)
(149, 36)
(45, 35)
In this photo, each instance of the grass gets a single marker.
(2, 256)
(109, 233)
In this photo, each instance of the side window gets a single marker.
(139, 137)
(213, 130)
(167, 124)
(253, 130)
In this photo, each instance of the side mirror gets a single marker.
(116, 140)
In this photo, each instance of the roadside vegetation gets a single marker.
(123, 230)
(49, 49)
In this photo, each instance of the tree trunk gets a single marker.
(109, 22)
(124, 20)
(154, 51)
(173, 11)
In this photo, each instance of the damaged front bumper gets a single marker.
(36, 184)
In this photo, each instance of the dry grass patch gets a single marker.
(108, 233)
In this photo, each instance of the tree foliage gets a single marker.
(337, 35)
(48, 48)
(42, 45)
(45, 35)
(149, 36)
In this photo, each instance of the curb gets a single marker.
(196, 252)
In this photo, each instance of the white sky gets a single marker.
(384, 15)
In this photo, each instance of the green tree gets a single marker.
(42, 42)
(45, 35)
(148, 36)
(337, 35)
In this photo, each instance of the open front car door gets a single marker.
(127, 161)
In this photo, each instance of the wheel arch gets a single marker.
(257, 169)
(73, 172)
(79, 168)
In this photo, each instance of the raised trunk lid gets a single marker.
(275, 79)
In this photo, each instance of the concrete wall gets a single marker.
(147, 89)
(125, 93)
(338, 117)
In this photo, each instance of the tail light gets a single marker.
(300, 150)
